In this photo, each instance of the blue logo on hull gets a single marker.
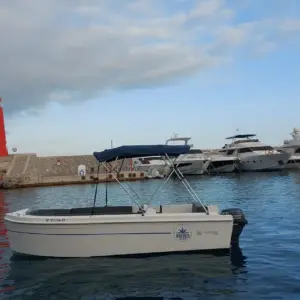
(182, 233)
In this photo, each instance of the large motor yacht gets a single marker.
(293, 147)
(253, 155)
(195, 162)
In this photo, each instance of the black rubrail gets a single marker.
(239, 222)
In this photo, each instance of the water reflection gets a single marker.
(118, 276)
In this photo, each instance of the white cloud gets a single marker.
(63, 50)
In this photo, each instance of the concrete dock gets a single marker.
(29, 170)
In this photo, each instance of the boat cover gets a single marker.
(141, 151)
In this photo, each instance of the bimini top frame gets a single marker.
(141, 151)
(166, 151)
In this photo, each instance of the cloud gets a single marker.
(64, 51)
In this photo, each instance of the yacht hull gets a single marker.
(228, 168)
(264, 162)
(91, 236)
(223, 165)
(193, 167)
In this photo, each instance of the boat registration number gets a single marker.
(55, 220)
(199, 232)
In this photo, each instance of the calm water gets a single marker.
(266, 266)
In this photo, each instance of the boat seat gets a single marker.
(196, 208)
(50, 212)
(105, 210)
(159, 212)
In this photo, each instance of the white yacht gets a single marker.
(147, 164)
(253, 155)
(293, 147)
(125, 230)
(195, 162)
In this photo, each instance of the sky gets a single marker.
(77, 74)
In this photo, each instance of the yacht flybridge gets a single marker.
(253, 155)
(125, 230)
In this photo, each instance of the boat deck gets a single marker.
(114, 210)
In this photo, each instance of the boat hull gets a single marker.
(193, 167)
(271, 162)
(127, 236)
(223, 166)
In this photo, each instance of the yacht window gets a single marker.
(246, 141)
(230, 152)
(244, 150)
(262, 148)
(257, 148)
(298, 150)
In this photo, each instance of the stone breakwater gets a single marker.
(28, 170)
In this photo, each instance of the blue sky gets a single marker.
(200, 68)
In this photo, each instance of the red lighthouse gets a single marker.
(3, 148)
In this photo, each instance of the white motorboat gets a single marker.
(125, 230)
(253, 155)
(146, 164)
(293, 147)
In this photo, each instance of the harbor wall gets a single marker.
(28, 170)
